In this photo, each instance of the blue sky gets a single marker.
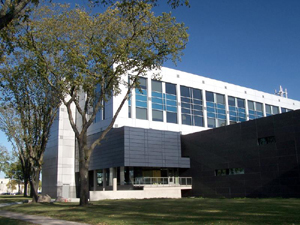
(252, 43)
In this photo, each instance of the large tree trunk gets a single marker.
(84, 161)
(25, 187)
(34, 183)
(84, 182)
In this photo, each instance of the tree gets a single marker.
(14, 172)
(84, 57)
(35, 103)
(12, 9)
(4, 159)
(10, 124)
(15, 9)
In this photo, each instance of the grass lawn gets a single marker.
(8, 221)
(172, 211)
(12, 198)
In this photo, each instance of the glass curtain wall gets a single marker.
(237, 111)
(255, 110)
(216, 113)
(191, 106)
(141, 100)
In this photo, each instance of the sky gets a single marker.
(251, 43)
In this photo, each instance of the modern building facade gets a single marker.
(144, 149)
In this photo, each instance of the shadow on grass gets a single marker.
(173, 211)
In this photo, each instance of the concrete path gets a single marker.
(34, 219)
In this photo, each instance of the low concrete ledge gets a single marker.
(153, 192)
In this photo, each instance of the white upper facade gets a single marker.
(188, 103)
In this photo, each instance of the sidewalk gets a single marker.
(34, 219)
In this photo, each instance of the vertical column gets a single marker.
(122, 175)
(111, 176)
(95, 180)
(178, 104)
(204, 108)
(227, 110)
(104, 179)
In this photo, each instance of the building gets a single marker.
(143, 152)
(257, 158)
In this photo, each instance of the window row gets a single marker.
(164, 99)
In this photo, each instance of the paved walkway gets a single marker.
(34, 219)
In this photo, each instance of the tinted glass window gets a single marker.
(184, 91)
(143, 83)
(171, 88)
(156, 86)
(220, 99)
(231, 101)
(157, 115)
(199, 121)
(197, 94)
(186, 119)
(141, 113)
(251, 105)
(171, 117)
(259, 107)
(241, 103)
(268, 109)
(275, 110)
(209, 96)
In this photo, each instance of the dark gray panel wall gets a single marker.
(111, 151)
(153, 148)
(271, 170)
(137, 147)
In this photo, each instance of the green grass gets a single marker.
(8, 221)
(12, 198)
(173, 211)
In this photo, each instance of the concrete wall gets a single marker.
(271, 170)
(164, 192)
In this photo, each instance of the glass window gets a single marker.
(268, 109)
(275, 110)
(241, 103)
(191, 106)
(143, 83)
(171, 117)
(184, 91)
(197, 94)
(210, 96)
(157, 115)
(141, 113)
(199, 121)
(259, 107)
(171, 88)
(211, 122)
(186, 119)
(156, 86)
(220, 99)
(231, 101)
(251, 105)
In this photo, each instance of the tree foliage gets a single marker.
(10, 125)
(31, 101)
(4, 159)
